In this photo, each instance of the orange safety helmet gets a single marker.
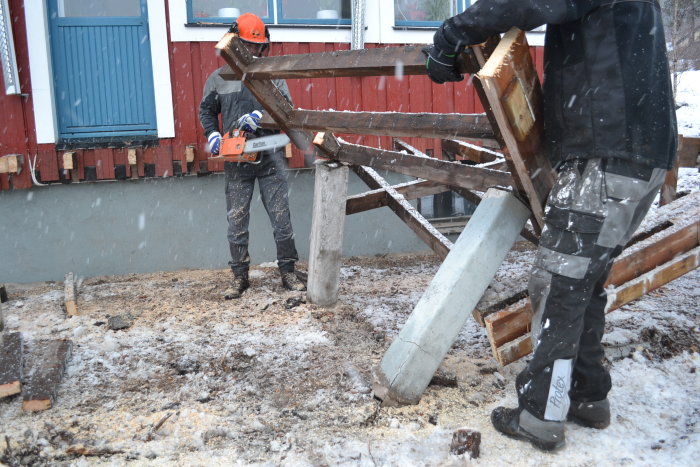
(250, 28)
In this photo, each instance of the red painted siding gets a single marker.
(190, 65)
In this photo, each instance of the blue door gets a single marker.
(102, 68)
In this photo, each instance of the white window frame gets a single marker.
(379, 29)
(42, 91)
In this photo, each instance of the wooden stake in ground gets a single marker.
(40, 392)
(71, 295)
(10, 364)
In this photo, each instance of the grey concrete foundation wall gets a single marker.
(137, 226)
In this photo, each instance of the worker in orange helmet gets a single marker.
(240, 110)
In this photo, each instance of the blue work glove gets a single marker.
(214, 142)
(250, 122)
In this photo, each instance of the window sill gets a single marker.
(274, 26)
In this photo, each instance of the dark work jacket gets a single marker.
(607, 87)
(231, 99)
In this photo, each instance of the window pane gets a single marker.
(316, 9)
(228, 8)
(92, 8)
(424, 10)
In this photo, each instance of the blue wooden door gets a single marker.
(102, 68)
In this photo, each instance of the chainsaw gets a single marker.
(237, 146)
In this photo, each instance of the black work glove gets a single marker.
(442, 56)
(441, 67)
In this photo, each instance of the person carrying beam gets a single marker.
(238, 109)
(610, 133)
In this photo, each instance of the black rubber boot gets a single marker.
(520, 424)
(291, 281)
(590, 414)
(239, 285)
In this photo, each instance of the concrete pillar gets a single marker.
(431, 329)
(327, 226)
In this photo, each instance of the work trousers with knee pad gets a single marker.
(594, 208)
(274, 192)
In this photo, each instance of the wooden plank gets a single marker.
(379, 61)
(40, 392)
(654, 279)
(516, 321)
(71, 295)
(406, 212)
(10, 364)
(239, 59)
(670, 187)
(508, 324)
(418, 125)
(688, 151)
(513, 90)
(634, 264)
(469, 151)
(448, 173)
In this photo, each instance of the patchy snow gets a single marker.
(688, 103)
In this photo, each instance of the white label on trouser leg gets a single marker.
(558, 398)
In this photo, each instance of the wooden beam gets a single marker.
(70, 295)
(419, 125)
(10, 364)
(630, 265)
(658, 258)
(380, 61)
(513, 90)
(377, 198)
(448, 173)
(406, 212)
(654, 279)
(237, 56)
(40, 392)
(469, 151)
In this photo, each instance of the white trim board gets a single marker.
(42, 91)
(379, 23)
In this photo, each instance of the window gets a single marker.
(426, 13)
(331, 12)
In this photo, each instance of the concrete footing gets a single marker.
(327, 228)
(431, 329)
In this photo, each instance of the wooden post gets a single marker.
(71, 300)
(327, 227)
(411, 360)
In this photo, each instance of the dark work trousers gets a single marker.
(272, 180)
(592, 212)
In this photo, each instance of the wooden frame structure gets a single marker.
(510, 93)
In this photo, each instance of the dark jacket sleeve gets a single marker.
(209, 108)
(489, 17)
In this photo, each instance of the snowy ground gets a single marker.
(267, 380)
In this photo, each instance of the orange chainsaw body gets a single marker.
(232, 147)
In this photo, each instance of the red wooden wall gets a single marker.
(190, 64)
